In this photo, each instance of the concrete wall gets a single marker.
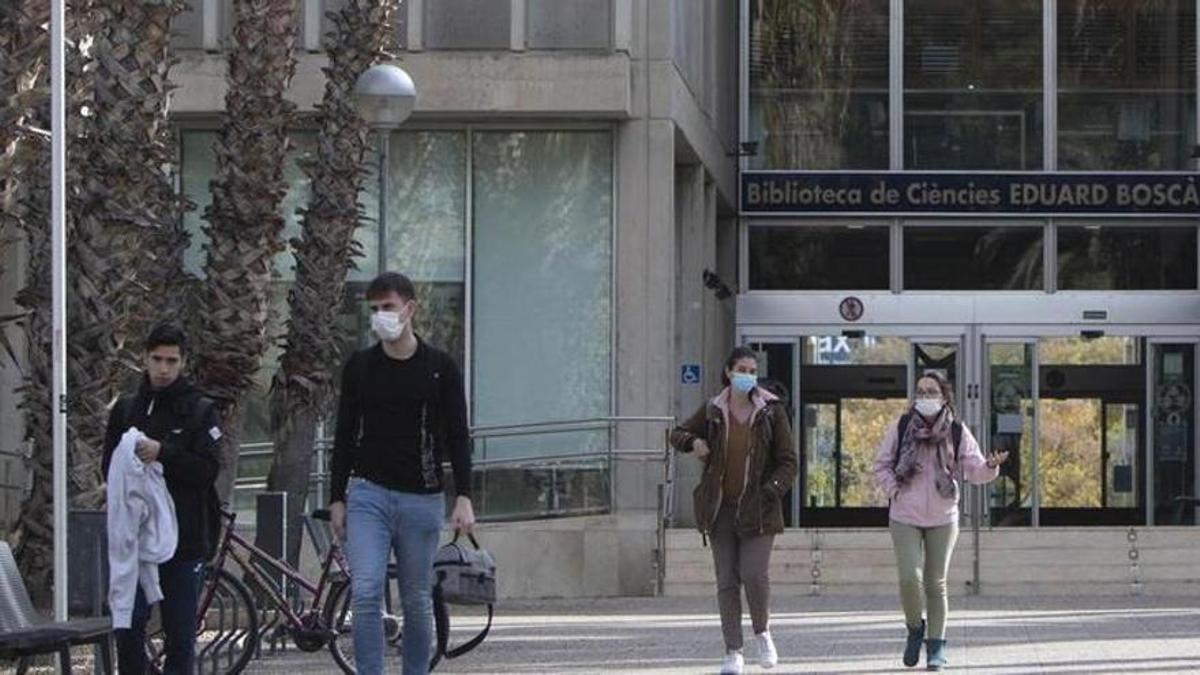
(450, 85)
(595, 556)
(1023, 562)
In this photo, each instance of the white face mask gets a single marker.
(388, 325)
(929, 407)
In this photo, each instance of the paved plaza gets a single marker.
(822, 635)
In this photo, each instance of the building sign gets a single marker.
(898, 193)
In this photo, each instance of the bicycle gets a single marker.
(227, 622)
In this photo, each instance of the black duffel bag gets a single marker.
(462, 575)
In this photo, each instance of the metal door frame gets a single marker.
(914, 333)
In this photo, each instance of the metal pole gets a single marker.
(58, 179)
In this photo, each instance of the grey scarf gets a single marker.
(922, 434)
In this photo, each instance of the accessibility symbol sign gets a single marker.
(689, 373)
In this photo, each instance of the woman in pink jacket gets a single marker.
(916, 467)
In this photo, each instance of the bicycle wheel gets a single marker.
(226, 627)
(339, 616)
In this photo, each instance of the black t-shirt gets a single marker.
(398, 420)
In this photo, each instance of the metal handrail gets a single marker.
(529, 459)
(483, 431)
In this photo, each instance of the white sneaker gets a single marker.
(767, 656)
(733, 663)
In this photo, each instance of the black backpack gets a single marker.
(956, 434)
(211, 508)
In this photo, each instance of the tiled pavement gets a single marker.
(821, 635)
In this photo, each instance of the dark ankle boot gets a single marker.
(912, 648)
(935, 654)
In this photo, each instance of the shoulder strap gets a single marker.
(200, 409)
(956, 434)
(127, 402)
(441, 622)
(901, 428)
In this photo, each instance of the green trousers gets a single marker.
(923, 560)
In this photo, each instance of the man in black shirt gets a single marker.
(181, 429)
(402, 412)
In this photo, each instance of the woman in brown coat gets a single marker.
(744, 439)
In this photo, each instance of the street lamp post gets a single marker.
(385, 96)
(58, 294)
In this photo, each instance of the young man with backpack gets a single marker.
(180, 430)
(402, 412)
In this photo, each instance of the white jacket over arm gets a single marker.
(142, 531)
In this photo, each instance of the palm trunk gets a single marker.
(27, 208)
(324, 253)
(126, 203)
(135, 202)
(244, 219)
(33, 532)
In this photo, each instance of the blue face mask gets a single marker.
(743, 383)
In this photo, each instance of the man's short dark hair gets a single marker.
(167, 335)
(391, 282)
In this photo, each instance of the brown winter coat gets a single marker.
(770, 465)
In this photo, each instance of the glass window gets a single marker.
(468, 24)
(819, 84)
(569, 24)
(1110, 350)
(973, 84)
(1127, 84)
(542, 312)
(1118, 258)
(806, 257)
(330, 8)
(426, 229)
(198, 170)
(187, 29)
(839, 350)
(973, 258)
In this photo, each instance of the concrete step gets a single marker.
(1013, 561)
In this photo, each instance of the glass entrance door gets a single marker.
(851, 388)
(1097, 428)
(1069, 411)
(1176, 483)
(1010, 369)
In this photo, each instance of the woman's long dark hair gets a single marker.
(944, 385)
(736, 355)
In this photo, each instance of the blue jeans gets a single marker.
(180, 581)
(378, 522)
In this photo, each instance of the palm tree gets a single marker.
(244, 222)
(127, 213)
(121, 219)
(27, 206)
(130, 57)
(22, 63)
(324, 253)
